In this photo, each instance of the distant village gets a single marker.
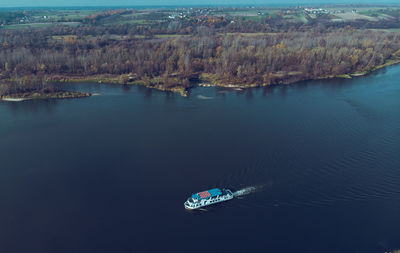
(324, 11)
(198, 14)
(202, 12)
(26, 17)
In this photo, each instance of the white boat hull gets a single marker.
(192, 205)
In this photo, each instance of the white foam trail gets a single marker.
(14, 99)
(247, 190)
(204, 97)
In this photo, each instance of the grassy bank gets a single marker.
(43, 94)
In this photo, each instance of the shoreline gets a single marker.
(283, 82)
(36, 95)
(206, 80)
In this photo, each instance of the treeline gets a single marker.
(222, 59)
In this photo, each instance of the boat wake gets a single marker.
(204, 97)
(248, 190)
(14, 99)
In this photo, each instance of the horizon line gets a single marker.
(208, 5)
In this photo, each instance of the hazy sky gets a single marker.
(29, 3)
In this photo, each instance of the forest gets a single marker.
(179, 54)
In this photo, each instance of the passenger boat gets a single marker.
(207, 198)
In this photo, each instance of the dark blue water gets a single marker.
(110, 173)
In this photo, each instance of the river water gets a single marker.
(316, 166)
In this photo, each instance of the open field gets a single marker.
(250, 34)
(38, 25)
(20, 26)
(153, 17)
(351, 16)
(395, 30)
(67, 15)
(132, 22)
